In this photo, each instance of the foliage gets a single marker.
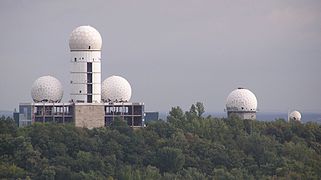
(187, 146)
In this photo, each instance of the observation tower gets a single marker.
(85, 45)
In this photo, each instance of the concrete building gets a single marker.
(89, 115)
(242, 103)
(86, 108)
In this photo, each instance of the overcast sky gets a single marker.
(173, 52)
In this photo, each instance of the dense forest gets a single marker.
(186, 146)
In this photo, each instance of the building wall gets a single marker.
(151, 116)
(132, 113)
(25, 115)
(89, 115)
(16, 118)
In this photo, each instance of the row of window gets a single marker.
(59, 110)
(75, 59)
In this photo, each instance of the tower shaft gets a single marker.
(85, 76)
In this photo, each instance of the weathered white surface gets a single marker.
(116, 88)
(84, 36)
(241, 100)
(295, 115)
(47, 88)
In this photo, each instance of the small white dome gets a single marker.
(85, 38)
(241, 100)
(295, 115)
(46, 89)
(116, 89)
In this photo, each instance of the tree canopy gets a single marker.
(185, 146)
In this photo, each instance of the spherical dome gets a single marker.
(295, 115)
(46, 89)
(85, 38)
(241, 100)
(116, 89)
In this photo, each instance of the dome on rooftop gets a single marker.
(85, 38)
(47, 89)
(116, 89)
(241, 100)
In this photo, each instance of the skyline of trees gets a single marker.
(187, 146)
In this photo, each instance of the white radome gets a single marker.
(116, 89)
(295, 115)
(46, 89)
(85, 38)
(241, 100)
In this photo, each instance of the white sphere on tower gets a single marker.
(46, 89)
(295, 115)
(241, 100)
(85, 37)
(116, 89)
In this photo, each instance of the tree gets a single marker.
(200, 109)
(7, 125)
(192, 174)
(176, 117)
(151, 172)
(192, 113)
(11, 171)
(170, 159)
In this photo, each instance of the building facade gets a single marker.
(89, 115)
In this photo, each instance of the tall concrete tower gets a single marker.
(85, 45)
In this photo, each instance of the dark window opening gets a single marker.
(89, 47)
(138, 121)
(89, 99)
(89, 78)
(80, 91)
(137, 110)
(75, 59)
(89, 88)
(108, 121)
(89, 67)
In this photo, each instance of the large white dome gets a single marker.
(85, 38)
(295, 115)
(241, 100)
(46, 89)
(116, 89)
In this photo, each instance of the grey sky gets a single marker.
(173, 53)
